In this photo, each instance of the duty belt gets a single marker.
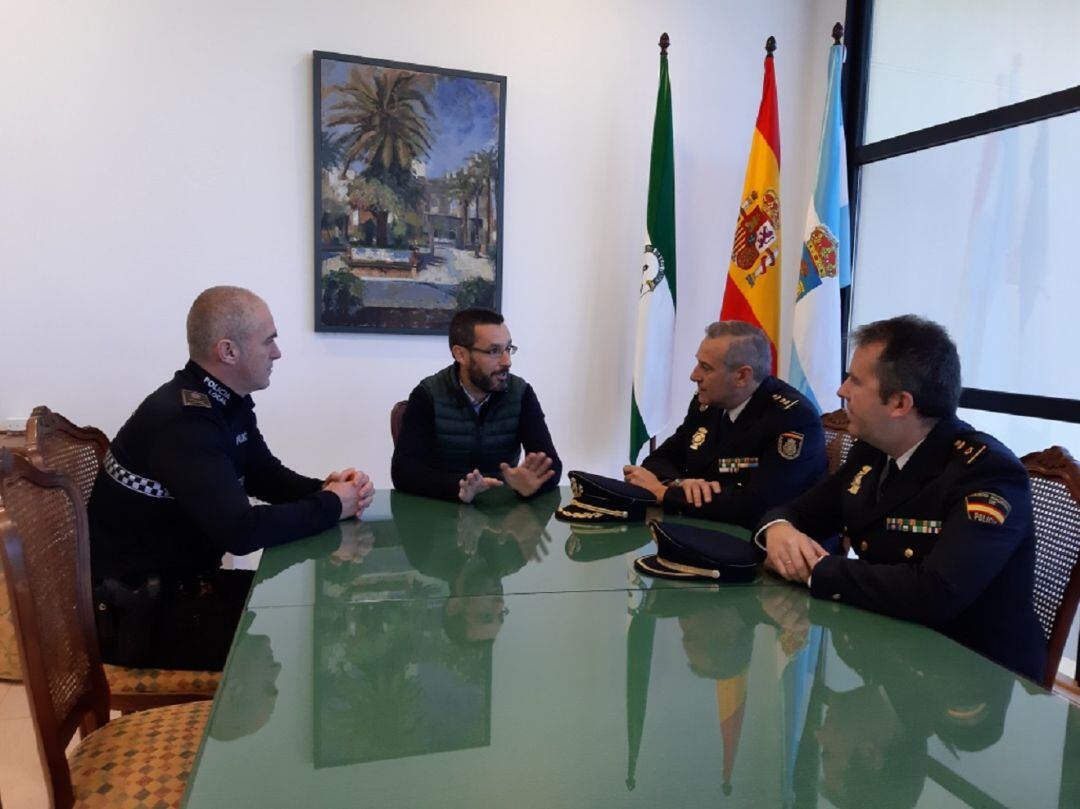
(137, 483)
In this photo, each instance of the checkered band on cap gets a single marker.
(137, 483)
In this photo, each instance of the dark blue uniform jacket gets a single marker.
(949, 542)
(774, 451)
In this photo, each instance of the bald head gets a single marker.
(220, 313)
(231, 334)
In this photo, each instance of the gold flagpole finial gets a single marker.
(665, 40)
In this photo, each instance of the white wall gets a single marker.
(152, 149)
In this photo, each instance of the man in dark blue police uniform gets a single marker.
(749, 441)
(465, 427)
(939, 514)
(174, 496)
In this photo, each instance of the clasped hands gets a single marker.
(354, 488)
(697, 490)
(525, 478)
(790, 553)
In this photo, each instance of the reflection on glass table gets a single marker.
(747, 696)
(417, 542)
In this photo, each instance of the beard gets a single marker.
(489, 383)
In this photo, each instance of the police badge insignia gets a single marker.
(194, 398)
(856, 482)
(699, 437)
(789, 445)
(987, 507)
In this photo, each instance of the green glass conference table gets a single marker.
(434, 655)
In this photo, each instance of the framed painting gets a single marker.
(408, 194)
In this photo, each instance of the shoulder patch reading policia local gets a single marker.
(194, 398)
(789, 445)
(987, 507)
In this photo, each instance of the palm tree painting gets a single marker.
(408, 193)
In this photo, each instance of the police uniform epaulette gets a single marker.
(194, 398)
(784, 401)
(968, 450)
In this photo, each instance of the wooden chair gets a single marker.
(55, 444)
(1055, 493)
(397, 414)
(140, 759)
(838, 440)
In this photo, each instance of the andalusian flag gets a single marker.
(825, 267)
(649, 411)
(753, 284)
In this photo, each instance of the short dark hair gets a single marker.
(463, 326)
(749, 346)
(919, 357)
(218, 313)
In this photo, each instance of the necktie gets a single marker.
(887, 477)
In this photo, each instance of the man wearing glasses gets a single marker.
(465, 427)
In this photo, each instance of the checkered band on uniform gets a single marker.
(137, 483)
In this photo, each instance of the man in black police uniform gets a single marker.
(173, 496)
(464, 427)
(749, 441)
(945, 537)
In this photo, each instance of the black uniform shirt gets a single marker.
(949, 542)
(173, 495)
(772, 452)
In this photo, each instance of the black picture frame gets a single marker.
(409, 164)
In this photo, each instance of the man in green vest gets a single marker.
(465, 427)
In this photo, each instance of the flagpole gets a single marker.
(816, 360)
(654, 343)
(665, 40)
(845, 292)
(752, 287)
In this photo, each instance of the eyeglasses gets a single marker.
(497, 351)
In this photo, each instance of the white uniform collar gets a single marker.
(735, 411)
(903, 459)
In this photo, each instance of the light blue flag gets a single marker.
(825, 266)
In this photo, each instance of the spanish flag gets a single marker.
(753, 284)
